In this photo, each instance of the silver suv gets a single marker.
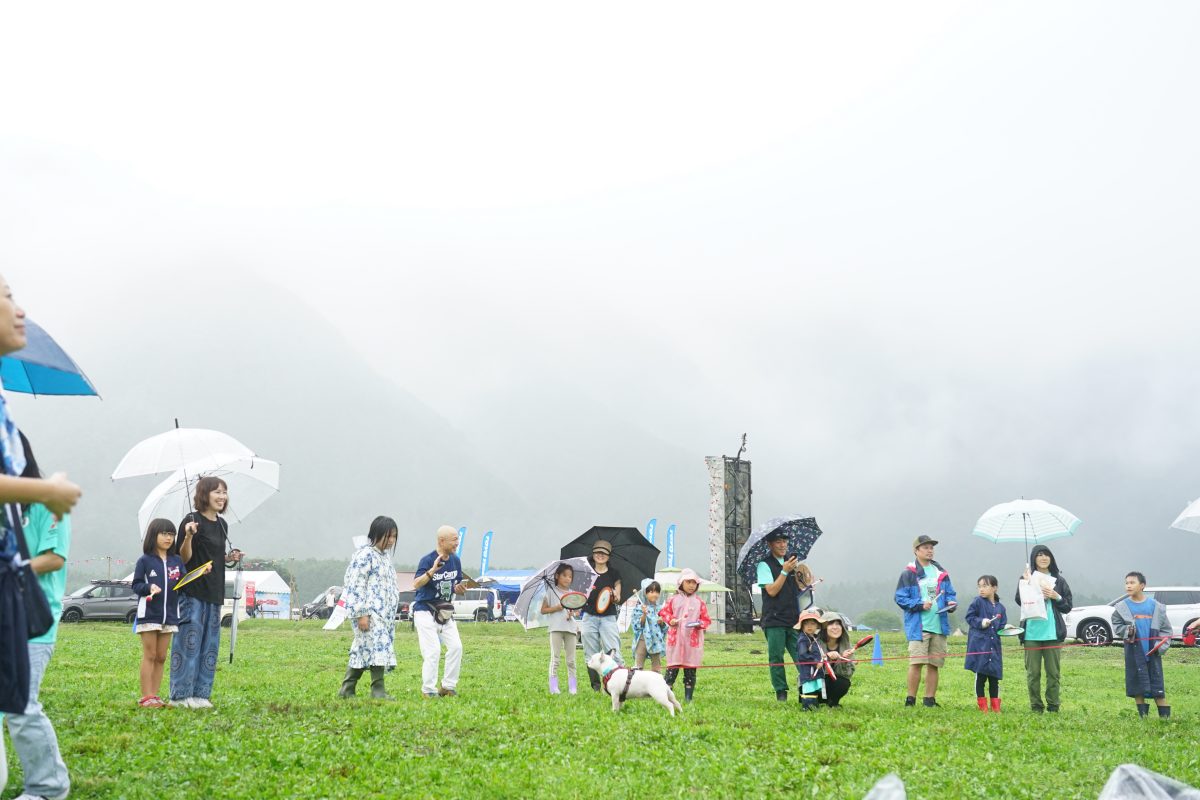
(101, 600)
(1093, 624)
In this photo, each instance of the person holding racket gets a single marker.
(560, 606)
(439, 577)
(194, 650)
(927, 596)
(835, 639)
(985, 617)
(1141, 623)
(600, 634)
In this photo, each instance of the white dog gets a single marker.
(624, 683)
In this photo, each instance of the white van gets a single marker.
(480, 605)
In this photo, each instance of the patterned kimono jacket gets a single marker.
(371, 591)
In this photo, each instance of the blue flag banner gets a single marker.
(671, 546)
(485, 553)
(462, 539)
(650, 526)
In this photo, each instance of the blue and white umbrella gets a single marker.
(802, 533)
(1189, 520)
(1028, 521)
(42, 367)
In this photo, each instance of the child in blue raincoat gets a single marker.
(649, 632)
(985, 618)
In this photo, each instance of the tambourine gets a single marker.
(604, 600)
(573, 600)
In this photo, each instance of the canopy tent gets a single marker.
(506, 581)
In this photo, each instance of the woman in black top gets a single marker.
(194, 650)
(599, 627)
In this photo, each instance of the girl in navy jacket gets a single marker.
(154, 579)
(985, 618)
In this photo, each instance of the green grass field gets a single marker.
(279, 731)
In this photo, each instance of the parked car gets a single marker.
(404, 610)
(101, 600)
(481, 605)
(1093, 624)
(320, 606)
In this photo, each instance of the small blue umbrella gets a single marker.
(802, 533)
(42, 367)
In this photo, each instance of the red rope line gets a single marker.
(906, 658)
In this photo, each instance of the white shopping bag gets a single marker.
(1033, 603)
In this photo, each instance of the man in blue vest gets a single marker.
(780, 609)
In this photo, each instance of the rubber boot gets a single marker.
(1143, 710)
(996, 705)
(553, 684)
(983, 703)
(808, 704)
(1164, 712)
(687, 693)
(594, 677)
(571, 684)
(349, 682)
(781, 695)
(377, 691)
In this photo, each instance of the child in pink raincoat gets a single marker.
(686, 617)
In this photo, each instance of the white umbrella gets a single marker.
(529, 601)
(1028, 521)
(196, 449)
(1189, 520)
(251, 482)
(668, 579)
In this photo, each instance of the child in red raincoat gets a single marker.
(687, 618)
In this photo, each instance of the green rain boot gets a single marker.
(349, 682)
(377, 690)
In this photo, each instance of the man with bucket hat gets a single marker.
(599, 625)
(780, 609)
(925, 593)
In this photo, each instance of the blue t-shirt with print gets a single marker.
(1143, 615)
(441, 588)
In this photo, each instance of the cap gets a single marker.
(923, 539)
(775, 535)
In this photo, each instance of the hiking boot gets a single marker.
(350, 682)
(444, 692)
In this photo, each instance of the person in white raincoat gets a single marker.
(371, 597)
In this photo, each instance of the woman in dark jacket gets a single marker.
(1044, 637)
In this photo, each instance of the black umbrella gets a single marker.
(633, 557)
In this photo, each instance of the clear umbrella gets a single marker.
(1189, 520)
(529, 601)
(192, 449)
(251, 483)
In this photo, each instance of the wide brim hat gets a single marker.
(832, 616)
(805, 617)
(602, 546)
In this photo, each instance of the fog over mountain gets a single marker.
(925, 275)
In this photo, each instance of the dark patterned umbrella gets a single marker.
(633, 557)
(802, 532)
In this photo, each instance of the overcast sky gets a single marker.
(909, 248)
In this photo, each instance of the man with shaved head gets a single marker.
(438, 578)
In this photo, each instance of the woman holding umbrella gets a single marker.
(194, 650)
(599, 627)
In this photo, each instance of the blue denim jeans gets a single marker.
(34, 738)
(600, 635)
(194, 649)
